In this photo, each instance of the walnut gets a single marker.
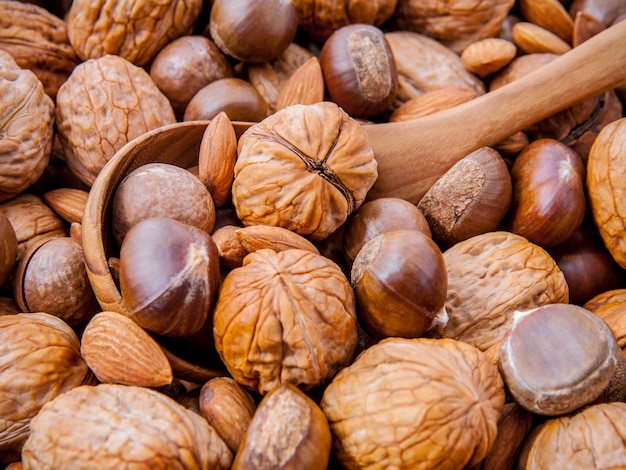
(111, 426)
(606, 186)
(105, 103)
(38, 41)
(320, 18)
(286, 317)
(590, 438)
(305, 168)
(39, 359)
(133, 30)
(26, 127)
(455, 23)
(425, 65)
(415, 403)
(492, 275)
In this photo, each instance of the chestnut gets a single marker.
(161, 189)
(400, 281)
(169, 276)
(234, 96)
(359, 70)
(377, 216)
(549, 201)
(253, 31)
(186, 65)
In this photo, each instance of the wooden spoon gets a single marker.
(412, 155)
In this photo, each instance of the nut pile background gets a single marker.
(273, 315)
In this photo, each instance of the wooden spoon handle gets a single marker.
(412, 155)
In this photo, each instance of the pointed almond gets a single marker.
(118, 350)
(488, 55)
(532, 39)
(585, 26)
(69, 203)
(432, 102)
(550, 15)
(305, 86)
(258, 237)
(218, 153)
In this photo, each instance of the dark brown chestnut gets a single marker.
(234, 96)
(169, 276)
(186, 65)
(549, 201)
(359, 70)
(253, 31)
(378, 216)
(400, 281)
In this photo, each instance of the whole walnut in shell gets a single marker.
(286, 317)
(305, 168)
(105, 103)
(492, 275)
(26, 128)
(415, 403)
(110, 426)
(38, 41)
(133, 30)
(590, 438)
(454, 23)
(39, 359)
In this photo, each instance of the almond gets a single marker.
(431, 102)
(550, 15)
(69, 203)
(118, 350)
(487, 56)
(532, 38)
(305, 86)
(216, 162)
(585, 26)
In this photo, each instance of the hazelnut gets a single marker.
(359, 70)
(557, 358)
(400, 281)
(378, 216)
(253, 31)
(186, 65)
(234, 96)
(169, 275)
(549, 201)
(161, 190)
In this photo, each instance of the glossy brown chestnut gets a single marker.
(169, 276)
(359, 70)
(253, 31)
(186, 65)
(401, 282)
(236, 97)
(378, 216)
(549, 201)
(587, 265)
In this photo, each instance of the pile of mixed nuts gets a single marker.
(258, 306)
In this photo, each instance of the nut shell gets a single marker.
(419, 403)
(112, 426)
(286, 317)
(320, 158)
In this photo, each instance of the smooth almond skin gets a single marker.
(118, 350)
(69, 203)
(488, 55)
(533, 39)
(258, 237)
(305, 86)
(216, 162)
(431, 102)
(289, 431)
(549, 14)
